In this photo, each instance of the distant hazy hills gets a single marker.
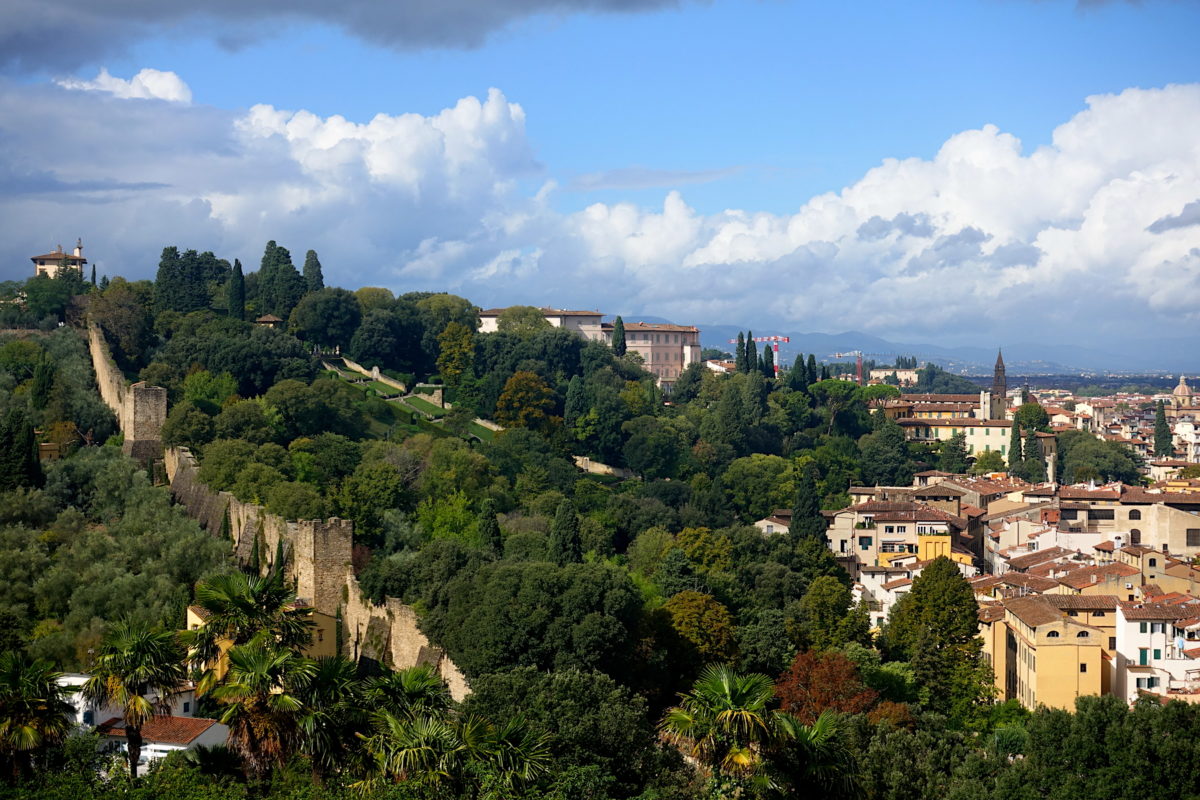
(1135, 356)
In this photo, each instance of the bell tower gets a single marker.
(999, 389)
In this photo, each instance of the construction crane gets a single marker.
(774, 340)
(858, 358)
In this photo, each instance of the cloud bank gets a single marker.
(95, 29)
(1092, 236)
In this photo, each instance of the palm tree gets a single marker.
(409, 692)
(33, 709)
(263, 712)
(237, 609)
(723, 725)
(332, 713)
(137, 670)
(813, 756)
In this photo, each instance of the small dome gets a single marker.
(1182, 390)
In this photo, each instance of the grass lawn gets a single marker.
(383, 390)
(425, 406)
(486, 434)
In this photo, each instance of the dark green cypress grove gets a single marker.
(576, 404)
(237, 292)
(314, 279)
(768, 362)
(751, 353)
(566, 547)
(280, 286)
(740, 356)
(618, 337)
(1164, 445)
(1034, 467)
(811, 369)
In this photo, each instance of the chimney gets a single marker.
(79, 248)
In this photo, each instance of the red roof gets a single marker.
(163, 730)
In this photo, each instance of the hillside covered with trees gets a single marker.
(623, 638)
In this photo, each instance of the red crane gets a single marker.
(774, 340)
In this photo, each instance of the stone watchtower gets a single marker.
(999, 389)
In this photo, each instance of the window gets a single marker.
(1135, 514)
(89, 717)
(187, 707)
(1147, 683)
(1193, 537)
(1143, 656)
(1135, 536)
(1101, 513)
(1158, 627)
(1112, 643)
(1098, 614)
(1141, 627)
(1157, 654)
(1052, 634)
(1083, 667)
(864, 542)
(1072, 613)
(889, 528)
(1154, 562)
(1082, 635)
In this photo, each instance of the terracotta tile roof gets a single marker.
(1155, 611)
(1087, 493)
(1034, 583)
(1137, 549)
(896, 584)
(972, 511)
(551, 312)
(991, 613)
(939, 490)
(953, 422)
(1087, 576)
(942, 398)
(1033, 611)
(56, 257)
(1037, 557)
(1083, 602)
(932, 473)
(163, 730)
(1105, 547)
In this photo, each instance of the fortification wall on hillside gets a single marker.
(141, 409)
(318, 558)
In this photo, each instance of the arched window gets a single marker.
(1082, 635)
(1135, 514)
(1052, 634)
(1135, 536)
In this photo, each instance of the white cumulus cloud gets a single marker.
(148, 84)
(1087, 237)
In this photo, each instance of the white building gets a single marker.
(162, 736)
(1157, 649)
(49, 264)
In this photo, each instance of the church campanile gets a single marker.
(999, 389)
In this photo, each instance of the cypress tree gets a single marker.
(576, 403)
(237, 292)
(93, 274)
(1164, 445)
(1014, 449)
(19, 465)
(1034, 467)
(489, 529)
(740, 355)
(751, 353)
(565, 544)
(313, 279)
(811, 369)
(768, 362)
(280, 286)
(825, 372)
(806, 510)
(618, 337)
(43, 381)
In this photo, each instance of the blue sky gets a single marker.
(759, 108)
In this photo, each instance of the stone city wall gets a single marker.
(318, 558)
(141, 409)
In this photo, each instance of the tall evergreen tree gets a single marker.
(181, 283)
(1164, 445)
(768, 362)
(618, 336)
(19, 465)
(565, 545)
(576, 404)
(489, 529)
(314, 280)
(740, 354)
(953, 457)
(93, 274)
(1034, 466)
(806, 509)
(1014, 449)
(280, 286)
(43, 382)
(751, 353)
(811, 369)
(237, 292)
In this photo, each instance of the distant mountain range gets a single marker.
(1146, 356)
